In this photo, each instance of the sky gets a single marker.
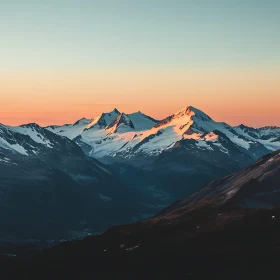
(62, 60)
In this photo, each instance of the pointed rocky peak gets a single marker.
(106, 118)
(186, 114)
(185, 111)
(242, 126)
(103, 120)
(121, 120)
(192, 111)
(115, 111)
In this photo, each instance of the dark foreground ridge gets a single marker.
(247, 247)
(214, 234)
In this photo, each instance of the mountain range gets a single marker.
(50, 189)
(127, 135)
(175, 156)
(56, 180)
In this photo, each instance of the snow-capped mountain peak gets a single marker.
(35, 132)
(141, 121)
(73, 130)
(268, 135)
(185, 111)
(116, 111)
(121, 123)
(29, 140)
(103, 120)
(184, 117)
(115, 132)
(192, 111)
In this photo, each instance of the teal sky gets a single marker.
(116, 34)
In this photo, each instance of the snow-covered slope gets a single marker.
(98, 126)
(70, 130)
(25, 140)
(11, 141)
(121, 124)
(73, 130)
(141, 121)
(103, 120)
(188, 123)
(31, 140)
(269, 136)
(35, 132)
(107, 132)
(127, 135)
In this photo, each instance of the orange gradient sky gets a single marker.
(52, 97)
(63, 60)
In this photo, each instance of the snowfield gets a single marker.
(119, 134)
(116, 133)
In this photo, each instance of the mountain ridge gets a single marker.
(188, 122)
(186, 146)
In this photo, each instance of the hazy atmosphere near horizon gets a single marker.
(67, 59)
